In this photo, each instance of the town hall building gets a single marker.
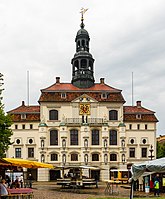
(83, 123)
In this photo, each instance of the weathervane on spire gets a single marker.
(83, 11)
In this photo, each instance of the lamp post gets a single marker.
(151, 152)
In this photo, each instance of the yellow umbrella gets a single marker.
(27, 163)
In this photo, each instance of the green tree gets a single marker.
(160, 150)
(5, 131)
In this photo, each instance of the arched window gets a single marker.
(113, 115)
(113, 157)
(73, 137)
(76, 64)
(54, 157)
(78, 44)
(95, 157)
(113, 137)
(53, 137)
(74, 157)
(95, 137)
(53, 115)
(83, 63)
(83, 43)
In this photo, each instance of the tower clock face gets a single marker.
(84, 109)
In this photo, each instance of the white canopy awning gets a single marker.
(154, 166)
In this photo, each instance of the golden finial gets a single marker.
(83, 11)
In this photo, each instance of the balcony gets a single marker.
(85, 121)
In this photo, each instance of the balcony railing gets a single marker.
(85, 121)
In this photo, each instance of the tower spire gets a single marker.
(82, 63)
(83, 11)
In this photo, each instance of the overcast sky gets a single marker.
(126, 36)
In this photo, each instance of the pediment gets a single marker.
(84, 99)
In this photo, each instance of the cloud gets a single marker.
(126, 36)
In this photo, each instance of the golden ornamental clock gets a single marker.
(84, 109)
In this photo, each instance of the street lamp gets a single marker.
(151, 151)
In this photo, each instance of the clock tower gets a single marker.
(82, 63)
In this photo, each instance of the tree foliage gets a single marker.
(160, 150)
(5, 131)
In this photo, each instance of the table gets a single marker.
(21, 193)
(109, 190)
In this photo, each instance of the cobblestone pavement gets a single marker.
(49, 190)
(46, 190)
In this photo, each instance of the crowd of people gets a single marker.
(18, 182)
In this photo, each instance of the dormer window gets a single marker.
(63, 95)
(104, 95)
(23, 116)
(138, 116)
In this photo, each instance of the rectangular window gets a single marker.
(130, 126)
(18, 152)
(74, 137)
(23, 126)
(144, 152)
(95, 157)
(23, 116)
(54, 157)
(146, 127)
(30, 152)
(16, 126)
(95, 137)
(113, 137)
(74, 157)
(31, 126)
(63, 95)
(138, 126)
(132, 152)
(53, 137)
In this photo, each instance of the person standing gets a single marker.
(156, 186)
(96, 179)
(30, 180)
(21, 180)
(3, 189)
